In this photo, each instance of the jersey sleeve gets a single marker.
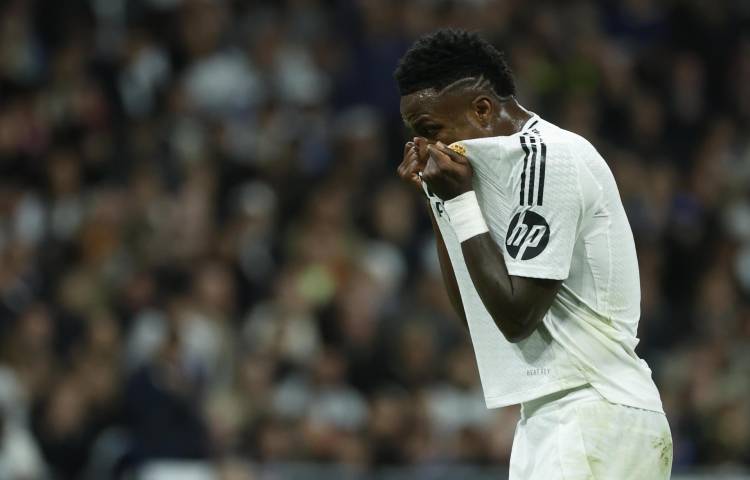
(549, 203)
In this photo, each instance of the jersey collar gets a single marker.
(531, 122)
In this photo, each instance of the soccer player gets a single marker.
(539, 260)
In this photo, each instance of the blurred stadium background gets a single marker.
(208, 269)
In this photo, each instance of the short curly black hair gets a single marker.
(440, 58)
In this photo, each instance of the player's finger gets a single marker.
(452, 154)
(403, 170)
(410, 156)
(407, 147)
(442, 160)
(410, 169)
(421, 145)
(418, 161)
(431, 170)
(412, 163)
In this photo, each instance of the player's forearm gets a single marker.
(494, 284)
(516, 304)
(449, 277)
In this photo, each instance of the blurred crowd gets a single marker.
(205, 252)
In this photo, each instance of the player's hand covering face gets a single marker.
(447, 173)
(413, 162)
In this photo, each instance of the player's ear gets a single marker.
(483, 109)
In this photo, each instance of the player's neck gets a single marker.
(511, 117)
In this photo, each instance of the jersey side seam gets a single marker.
(605, 303)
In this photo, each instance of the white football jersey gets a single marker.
(552, 205)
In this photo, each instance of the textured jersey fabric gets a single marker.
(552, 205)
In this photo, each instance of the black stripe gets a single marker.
(533, 168)
(532, 125)
(525, 160)
(542, 163)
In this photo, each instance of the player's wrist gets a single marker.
(465, 216)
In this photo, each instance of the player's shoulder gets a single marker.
(557, 165)
(570, 151)
(537, 141)
(564, 141)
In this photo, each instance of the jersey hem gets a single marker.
(534, 393)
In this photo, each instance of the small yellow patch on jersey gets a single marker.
(458, 148)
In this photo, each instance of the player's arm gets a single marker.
(415, 157)
(517, 304)
(449, 277)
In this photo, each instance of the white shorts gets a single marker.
(578, 435)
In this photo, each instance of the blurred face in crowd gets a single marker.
(450, 114)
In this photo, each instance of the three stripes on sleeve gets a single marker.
(535, 157)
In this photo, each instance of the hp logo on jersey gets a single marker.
(528, 235)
